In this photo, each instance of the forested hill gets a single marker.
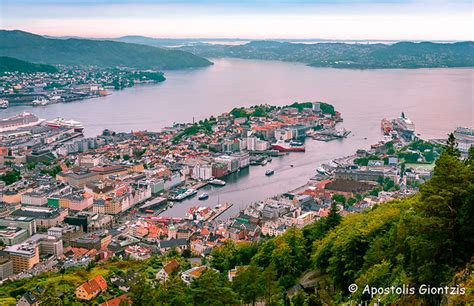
(36, 48)
(342, 55)
(13, 64)
(416, 242)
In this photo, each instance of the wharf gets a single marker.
(156, 202)
(200, 185)
(219, 211)
(267, 152)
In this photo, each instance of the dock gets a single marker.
(219, 211)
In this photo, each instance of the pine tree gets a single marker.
(452, 146)
(333, 218)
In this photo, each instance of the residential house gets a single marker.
(91, 288)
(163, 274)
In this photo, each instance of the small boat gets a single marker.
(40, 102)
(321, 170)
(3, 104)
(217, 182)
(291, 166)
(203, 196)
(269, 172)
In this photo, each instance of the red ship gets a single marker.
(386, 126)
(288, 147)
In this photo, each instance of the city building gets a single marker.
(465, 139)
(45, 217)
(27, 223)
(23, 256)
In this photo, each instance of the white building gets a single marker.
(465, 139)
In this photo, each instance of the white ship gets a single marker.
(3, 103)
(61, 122)
(217, 182)
(40, 102)
(19, 121)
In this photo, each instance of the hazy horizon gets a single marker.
(351, 20)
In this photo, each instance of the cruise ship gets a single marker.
(404, 123)
(60, 122)
(19, 121)
(288, 146)
(404, 126)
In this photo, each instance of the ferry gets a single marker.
(188, 193)
(4, 104)
(19, 121)
(289, 147)
(203, 196)
(269, 172)
(217, 182)
(60, 122)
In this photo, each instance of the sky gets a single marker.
(260, 19)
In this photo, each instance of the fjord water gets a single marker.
(437, 100)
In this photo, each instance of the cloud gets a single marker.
(340, 19)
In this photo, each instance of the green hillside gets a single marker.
(13, 64)
(36, 48)
(342, 55)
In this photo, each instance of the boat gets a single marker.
(61, 122)
(321, 170)
(404, 126)
(203, 196)
(288, 147)
(4, 104)
(269, 172)
(386, 126)
(40, 102)
(264, 162)
(186, 194)
(217, 182)
(291, 165)
(404, 123)
(19, 121)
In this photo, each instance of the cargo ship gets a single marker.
(60, 122)
(19, 121)
(293, 146)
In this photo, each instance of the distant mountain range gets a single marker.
(146, 52)
(343, 55)
(13, 64)
(73, 51)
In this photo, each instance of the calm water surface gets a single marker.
(437, 100)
